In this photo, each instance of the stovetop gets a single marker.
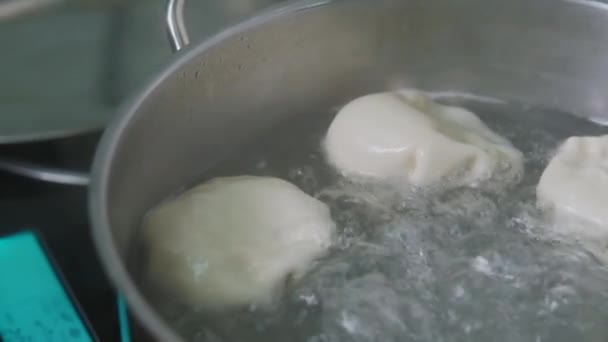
(59, 214)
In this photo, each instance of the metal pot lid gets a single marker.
(66, 69)
(49, 71)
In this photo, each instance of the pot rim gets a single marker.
(106, 149)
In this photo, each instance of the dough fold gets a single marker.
(408, 136)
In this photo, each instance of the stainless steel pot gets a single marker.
(299, 58)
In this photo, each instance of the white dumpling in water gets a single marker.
(573, 188)
(234, 241)
(406, 135)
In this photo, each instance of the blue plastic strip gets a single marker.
(123, 320)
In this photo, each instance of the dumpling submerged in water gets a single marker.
(405, 135)
(573, 189)
(234, 241)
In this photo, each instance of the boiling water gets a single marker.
(458, 265)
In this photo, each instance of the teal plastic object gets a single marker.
(34, 304)
(123, 320)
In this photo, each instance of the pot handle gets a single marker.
(44, 173)
(176, 27)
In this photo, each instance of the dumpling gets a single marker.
(574, 187)
(234, 241)
(406, 135)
